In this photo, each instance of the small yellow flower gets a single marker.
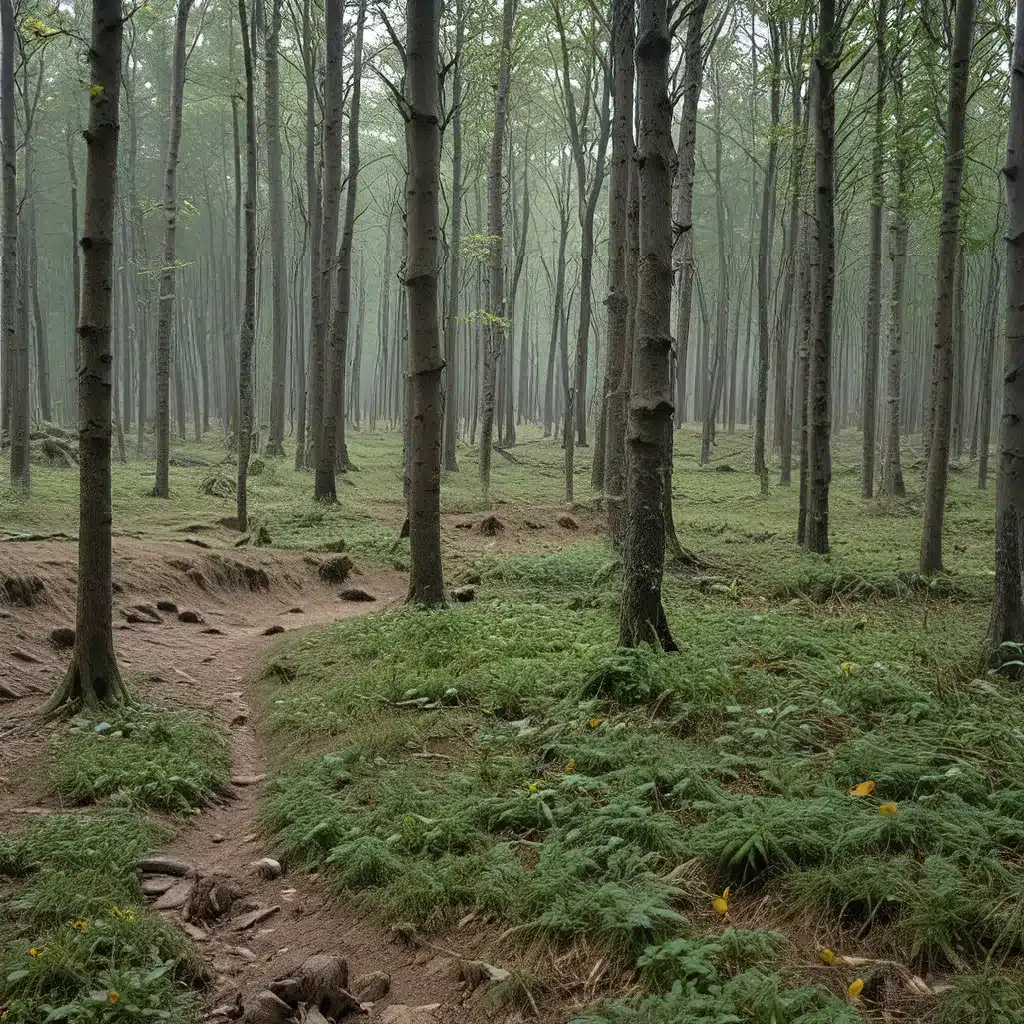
(570, 766)
(886, 810)
(720, 904)
(82, 926)
(856, 987)
(112, 997)
(532, 787)
(595, 722)
(34, 952)
(826, 956)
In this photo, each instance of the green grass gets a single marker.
(76, 942)
(166, 760)
(505, 760)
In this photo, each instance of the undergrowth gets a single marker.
(76, 941)
(167, 760)
(506, 761)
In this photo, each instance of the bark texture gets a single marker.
(426, 412)
(93, 676)
(650, 403)
(1007, 623)
(169, 269)
(949, 243)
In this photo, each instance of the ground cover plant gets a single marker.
(827, 746)
(77, 941)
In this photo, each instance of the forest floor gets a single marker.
(492, 804)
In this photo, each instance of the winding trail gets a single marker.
(207, 666)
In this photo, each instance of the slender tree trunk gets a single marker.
(650, 405)
(616, 384)
(683, 265)
(949, 243)
(451, 318)
(169, 270)
(247, 331)
(819, 423)
(321, 362)
(892, 468)
(333, 451)
(1007, 624)
(497, 327)
(985, 415)
(426, 413)
(277, 214)
(874, 311)
(764, 258)
(16, 343)
(93, 677)
(32, 272)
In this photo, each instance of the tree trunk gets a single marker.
(277, 213)
(321, 362)
(949, 243)
(985, 415)
(314, 214)
(426, 412)
(874, 311)
(497, 325)
(764, 258)
(451, 317)
(247, 331)
(1007, 624)
(683, 265)
(93, 677)
(892, 468)
(169, 270)
(333, 451)
(650, 405)
(16, 342)
(819, 423)
(619, 339)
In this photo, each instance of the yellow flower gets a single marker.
(887, 809)
(856, 987)
(570, 766)
(82, 926)
(826, 956)
(862, 788)
(112, 997)
(532, 787)
(595, 722)
(720, 904)
(34, 952)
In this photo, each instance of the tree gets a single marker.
(1007, 623)
(169, 270)
(940, 419)
(642, 617)
(275, 191)
(819, 397)
(333, 452)
(874, 312)
(247, 332)
(616, 384)
(93, 676)
(497, 323)
(15, 338)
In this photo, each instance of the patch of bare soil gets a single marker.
(191, 628)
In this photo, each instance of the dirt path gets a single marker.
(207, 666)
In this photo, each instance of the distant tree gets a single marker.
(277, 214)
(1007, 624)
(940, 416)
(247, 331)
(169, 269)
(497, 325)
(642, 617)
(93, 676)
